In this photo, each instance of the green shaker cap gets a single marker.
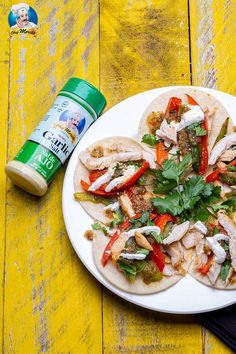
(87, 92)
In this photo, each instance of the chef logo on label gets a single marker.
(23, 19)
(72, 123)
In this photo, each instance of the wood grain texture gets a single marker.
(52, 304)
(144, 45)
(4, 78)
(213, 40)
(212, 345)
(130, 329)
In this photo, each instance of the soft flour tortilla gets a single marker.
(115, 277)
(81, 172)
(204, 99)
(205, 280)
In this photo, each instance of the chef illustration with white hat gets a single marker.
(21, 12)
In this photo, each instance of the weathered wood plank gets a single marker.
(144, 44)
(212, 44)
(212, 25)
(212, 345)
(130, 329)
(52, 304)
(4, 85)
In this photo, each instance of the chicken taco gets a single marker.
(144, 254)
(182, 121)
(215, 255)
(112, 179)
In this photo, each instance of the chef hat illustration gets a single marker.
(16, 9)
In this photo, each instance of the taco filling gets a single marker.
(216, 253)
(182, 129)
(164, 213)
(148, 246)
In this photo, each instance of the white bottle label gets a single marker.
(62, 127)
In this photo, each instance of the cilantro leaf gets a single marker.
(118, 218)
(231, 168)
(231, 203)
(142, 180)
(208, 189)
(216, 208)
(173, 170)
(200, 131)
(149, 139)
(158, 238)
(165, 187)
(99, 226)
(171, 204)
(192, 191)
(214, 197)
(225, 269)
(200, 213)
(129, 270)
(142, 220)
(143, 251)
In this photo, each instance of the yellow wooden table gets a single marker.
(49, 302)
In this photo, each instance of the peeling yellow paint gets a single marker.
(212, 25)
(144, 44)
(52, 304)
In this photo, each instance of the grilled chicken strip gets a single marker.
(191, 239)
(93, 163)
(135, 202)
(214, 272)
(177, 233)
(230, 228)
(176, 252)
(142, 241)
(118, 247)
(228, 155)
(223, 145)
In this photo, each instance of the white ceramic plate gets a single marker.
(188, 295)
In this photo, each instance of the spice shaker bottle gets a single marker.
(76, 107)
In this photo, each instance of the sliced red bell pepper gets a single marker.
(204, 149)
(86, 186)
(121, 188)
(204, 140)
(157, 256)
(94, 175)
(106, 253)
(126, 224)
(191, 100)
(219, 227)
(214, 176)
(204, 269)
(163, 219)
(161, 153)
(131, 181)
(173, 105)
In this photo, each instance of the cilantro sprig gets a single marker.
(143, 220)
(191, 198)
(149, 139)
(199, 131)
(99, 226)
